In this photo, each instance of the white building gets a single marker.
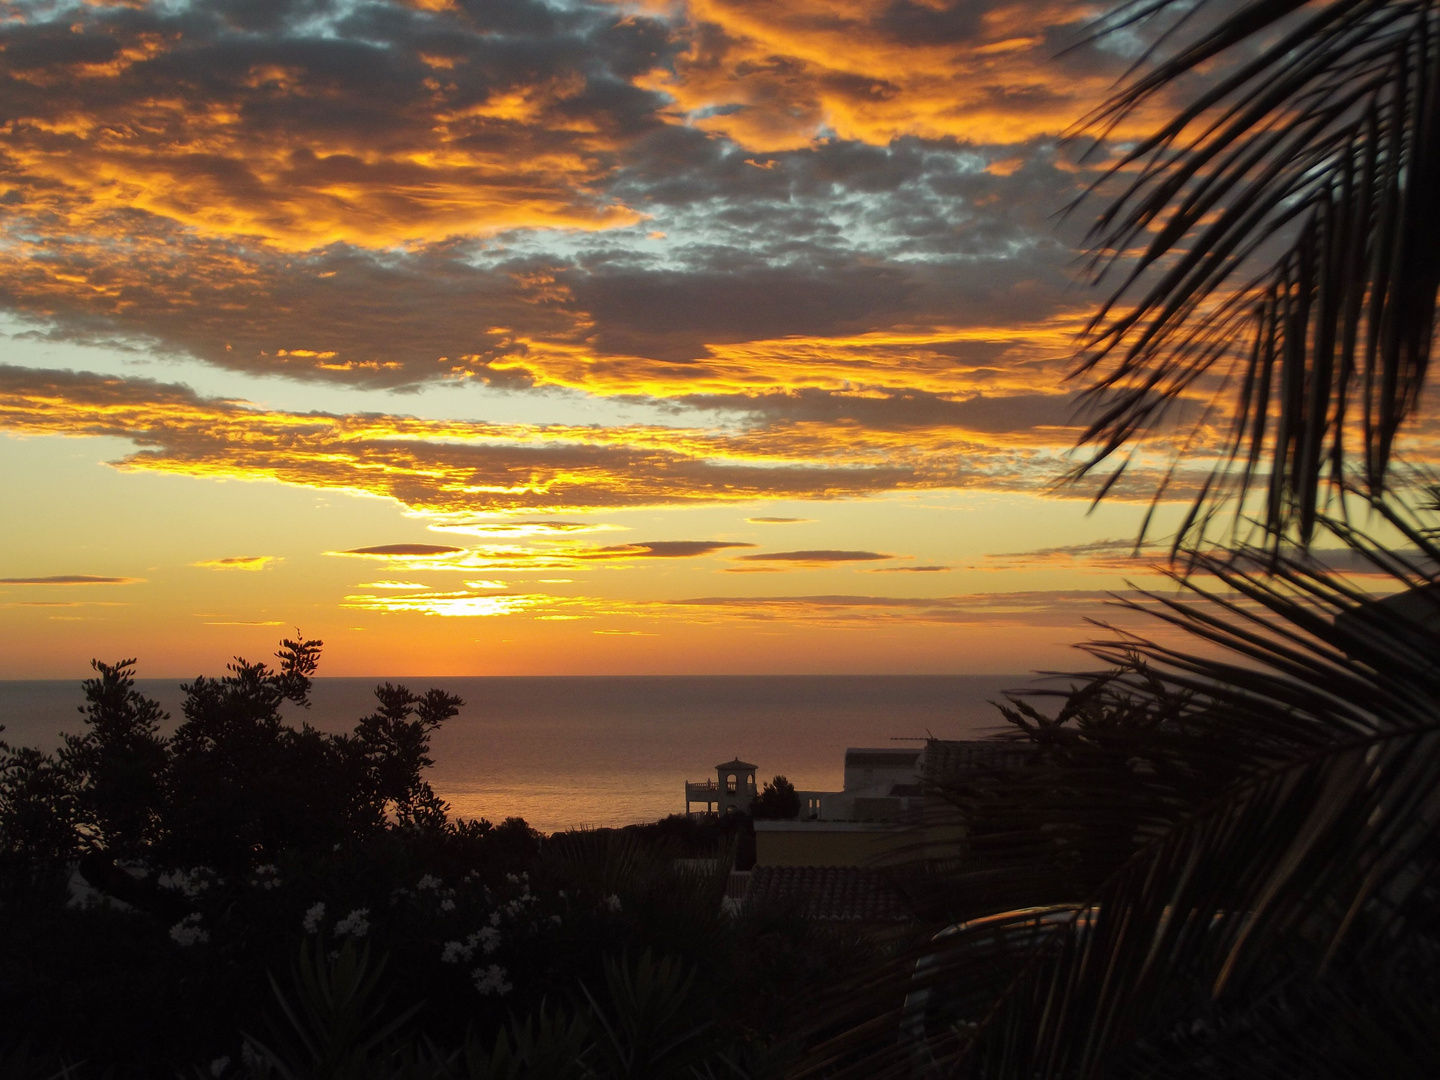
(881, 784)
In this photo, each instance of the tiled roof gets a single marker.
(832, 893)
(736, 884)
(737, 764)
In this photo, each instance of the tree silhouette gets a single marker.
(233, 787)
(395, 747)
(117, 765)
(777, 799)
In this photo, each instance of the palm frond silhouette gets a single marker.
(1275, 245)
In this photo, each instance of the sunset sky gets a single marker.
(513, 337)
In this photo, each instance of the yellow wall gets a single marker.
(829, 848)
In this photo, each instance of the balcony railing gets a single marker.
(702, 791)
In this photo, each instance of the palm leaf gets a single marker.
(1280, 240)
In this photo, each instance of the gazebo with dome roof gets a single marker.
(732, 789)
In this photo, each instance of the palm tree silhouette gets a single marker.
(1274, 245)
(1229, 840)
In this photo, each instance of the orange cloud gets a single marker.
(1019, 358)
(454, 469)
(302, 141)
(1065, 609)
(554, 555)
(775, 75)
(411, 317)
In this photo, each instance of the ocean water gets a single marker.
(582, 750)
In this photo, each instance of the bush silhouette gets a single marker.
(777, 799)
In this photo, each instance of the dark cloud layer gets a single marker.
(371, 193)
(385, 551)
(666, 549)
(818, 556)
(69, 579)
(909, 569)
(1060, 608)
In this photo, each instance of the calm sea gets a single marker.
(584, 750)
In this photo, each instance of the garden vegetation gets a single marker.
(242, 896)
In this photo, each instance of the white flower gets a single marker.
(456, 951)
(494, 918)
(612, 903)
(314, 916)
(487, 938)
(356, 923)
(555, 919)
(428, 882)
(512, 879)
(447, 904)
(491, 980)
(187, 931)
(192, 882)
(219, 1065)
